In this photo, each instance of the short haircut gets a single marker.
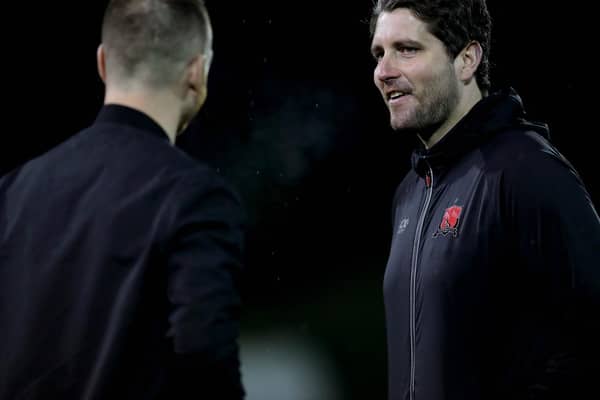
(454, 22)
(151, 40)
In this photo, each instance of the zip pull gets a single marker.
(428, 180)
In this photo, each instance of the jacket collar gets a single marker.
(123, 115)
(497, 112)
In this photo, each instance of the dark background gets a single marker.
(295, 123)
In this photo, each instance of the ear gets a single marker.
(101, 62)
(468, 61)
(195, 74)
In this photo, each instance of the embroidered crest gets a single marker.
(450, 222)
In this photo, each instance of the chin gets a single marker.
(399, 124)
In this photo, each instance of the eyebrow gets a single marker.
(400, 42)
(375, 49)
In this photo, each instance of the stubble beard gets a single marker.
(435, 104)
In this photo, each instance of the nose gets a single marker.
(386, 71)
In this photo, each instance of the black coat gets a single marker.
(119, 261)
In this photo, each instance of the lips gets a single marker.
(395, 97)
(395, 91)
(394, 94)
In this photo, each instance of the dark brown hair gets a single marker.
(454, 22)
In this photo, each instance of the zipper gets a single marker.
(413, 277)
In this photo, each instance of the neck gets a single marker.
(469, 97)
(159, 105)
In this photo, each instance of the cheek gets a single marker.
(376, 81)
(432, 71)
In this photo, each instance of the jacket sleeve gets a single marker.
(555, 232)
(204, 253)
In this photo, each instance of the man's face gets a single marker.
(414, 73)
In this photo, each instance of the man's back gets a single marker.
(118, 257)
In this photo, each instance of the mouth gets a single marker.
(395, 96)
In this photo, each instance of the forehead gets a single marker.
(399, 25)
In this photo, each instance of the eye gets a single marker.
(377, 55)
(407, 50)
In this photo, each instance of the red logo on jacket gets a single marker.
(450, 222)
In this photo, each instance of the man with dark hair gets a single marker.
(120, 254)
(492, 285)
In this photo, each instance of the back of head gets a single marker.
(151, 41)
(454, 22)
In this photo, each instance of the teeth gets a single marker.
(395, 95)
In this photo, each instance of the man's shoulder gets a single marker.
(521, 148)
(528, 161)
(111, 162)
(522, 138)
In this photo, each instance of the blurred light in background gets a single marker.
(285, 366)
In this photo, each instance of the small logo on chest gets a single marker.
(403, 225)
(450, 222)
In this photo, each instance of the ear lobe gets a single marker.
(470, 58)
(101, 62)
(195, 72)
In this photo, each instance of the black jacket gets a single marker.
(119, 257)
(493, 279)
